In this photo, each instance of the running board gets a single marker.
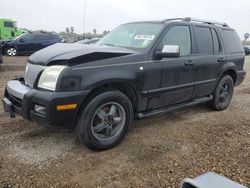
(174, 107)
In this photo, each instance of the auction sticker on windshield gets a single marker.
(144, 37)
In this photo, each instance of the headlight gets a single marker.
(49, 77)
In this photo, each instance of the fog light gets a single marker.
(39, 109)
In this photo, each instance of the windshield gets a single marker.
(20, 36)
(134, 35)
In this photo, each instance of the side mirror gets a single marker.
(21, 40)
(168, 51)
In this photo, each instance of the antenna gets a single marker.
(84, 16)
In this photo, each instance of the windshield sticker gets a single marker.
(144, 37)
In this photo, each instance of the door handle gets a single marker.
(189, 62)
(221, 59)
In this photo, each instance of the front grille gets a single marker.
(14, 100)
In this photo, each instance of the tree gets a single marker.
(246, 36)
(67, 30)
(94, 31)
(72, 29)
(105, 32)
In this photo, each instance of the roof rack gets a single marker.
(189, 19)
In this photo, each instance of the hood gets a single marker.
(3, 42)
(72, 54)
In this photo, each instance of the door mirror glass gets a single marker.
(169, 51)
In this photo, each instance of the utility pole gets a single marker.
(84, 17)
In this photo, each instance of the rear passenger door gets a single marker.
(209, 57)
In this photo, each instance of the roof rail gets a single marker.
(189, 19)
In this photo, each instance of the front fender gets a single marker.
(90, 78)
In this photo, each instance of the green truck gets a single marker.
(9, 30)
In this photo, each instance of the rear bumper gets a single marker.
(22, 101)
(240, 77)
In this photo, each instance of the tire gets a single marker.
(223, 93)
(104, 121)
(11, 51)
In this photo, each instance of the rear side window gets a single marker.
(204, 40)
(179, 35)
(232, 41)
(38, 37)
(28, 37)
(52, 37)
(43, 37)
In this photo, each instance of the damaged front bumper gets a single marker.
(41, 106)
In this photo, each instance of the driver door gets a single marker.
(177, 73)
(24, 44)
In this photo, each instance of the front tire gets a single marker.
(11, 51)
(105, 120)
(223, 93)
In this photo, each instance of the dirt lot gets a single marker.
(158, 152)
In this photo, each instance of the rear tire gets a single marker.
(105, 120)
(223, 93)
(11, 51)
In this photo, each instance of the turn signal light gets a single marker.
(66, 107)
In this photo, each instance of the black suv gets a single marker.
(30, 42)
(137, 70)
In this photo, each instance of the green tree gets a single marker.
(72, 29)
(246, 36)
(67, 30)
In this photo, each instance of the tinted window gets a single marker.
(27, 37)
(232, 41)
(179, 35)
(204, 41)
(216, 42)
(40, 37)
(52, 37)
(8, 24)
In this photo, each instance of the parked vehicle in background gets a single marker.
(138, 70)
(9, 30)
(247, 50)
(30, 42)
(1, 57)
(89, 41)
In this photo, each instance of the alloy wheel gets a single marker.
(108, 121)
(224, 92)
(11, 51)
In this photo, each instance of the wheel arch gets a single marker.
(5, 47)
(124, 87)
(232, 73)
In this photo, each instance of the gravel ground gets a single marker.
(158, 152)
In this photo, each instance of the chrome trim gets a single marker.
(17, 89)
